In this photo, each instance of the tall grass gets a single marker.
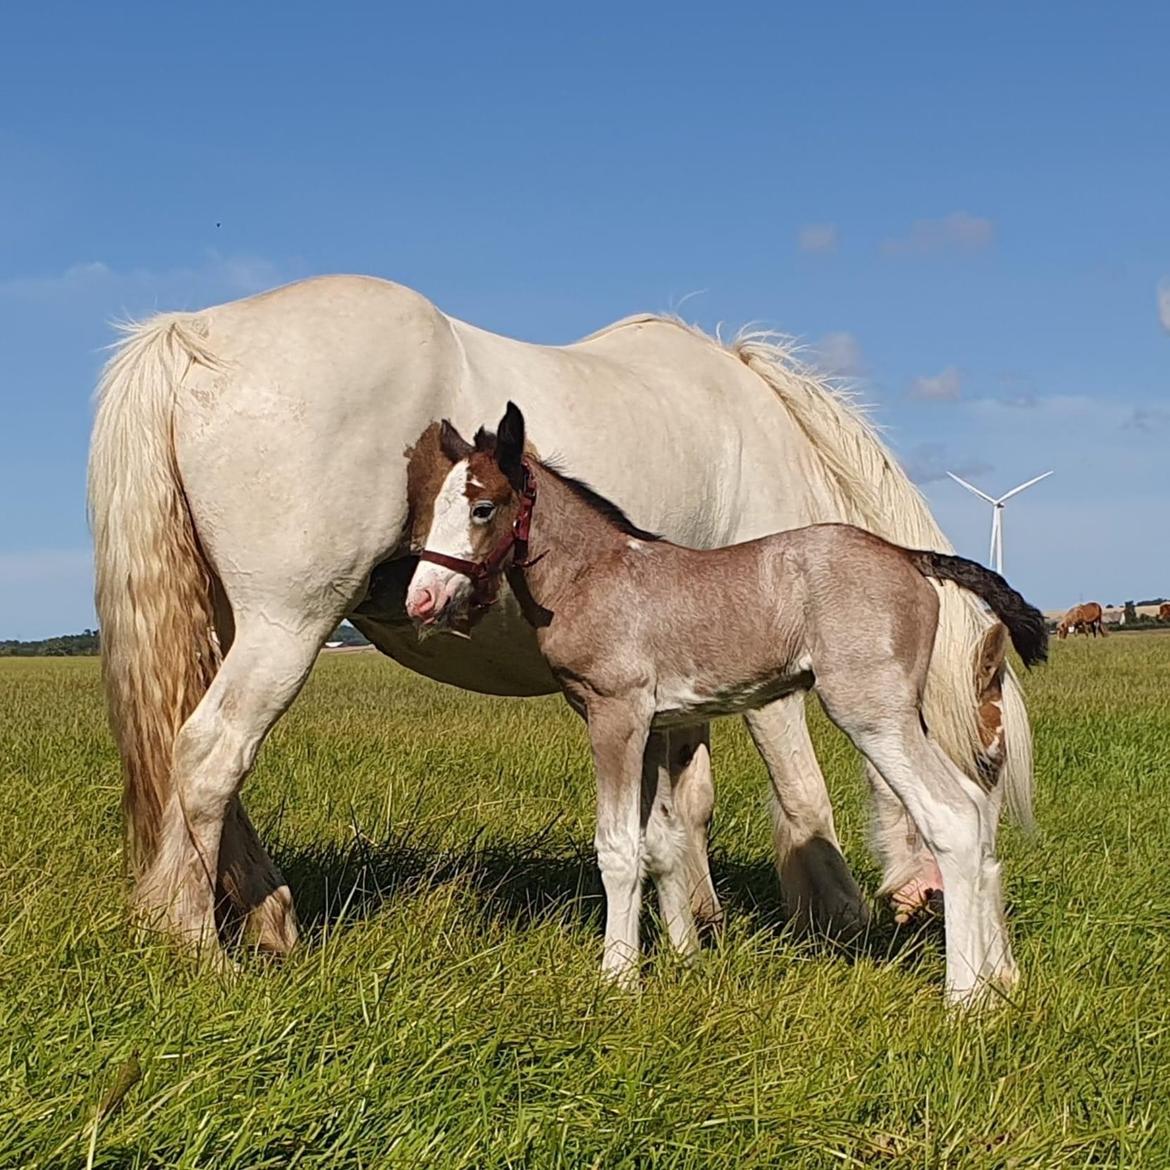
(446, 1009)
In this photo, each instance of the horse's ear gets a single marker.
(452, 443)
(510, 444)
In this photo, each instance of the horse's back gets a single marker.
(356, 326)
(659, 417)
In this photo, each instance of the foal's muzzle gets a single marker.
(435, 601)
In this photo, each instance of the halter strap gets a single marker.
(485, 575)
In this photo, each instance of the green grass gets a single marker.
(446, 1009)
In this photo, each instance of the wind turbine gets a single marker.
(995, 556)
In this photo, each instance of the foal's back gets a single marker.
(723, 630)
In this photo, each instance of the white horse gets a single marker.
(248, 490)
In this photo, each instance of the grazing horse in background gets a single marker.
(1082, 619)
(1164, 612)
(642, 634)
(248, 490)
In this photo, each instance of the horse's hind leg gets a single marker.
(250, 885)
(818, 888)
(250, 880)
(260, 676)
(693, 791)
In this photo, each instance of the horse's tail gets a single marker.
(1025, 623)
(866, 486)
(153, 583)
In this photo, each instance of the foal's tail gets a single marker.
(153, 583)
(1025, 623)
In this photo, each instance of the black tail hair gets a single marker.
(1025, 623)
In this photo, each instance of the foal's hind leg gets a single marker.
(954, 817)
(819, 891)
(667, 848)
(693, 791)
(261, 675)
(910, 876)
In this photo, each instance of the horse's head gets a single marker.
(471, 521)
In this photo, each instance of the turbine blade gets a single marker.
(1016, 490)
(971, 488)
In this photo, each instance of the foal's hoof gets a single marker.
(991, 993)
(624, 979)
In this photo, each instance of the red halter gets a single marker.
(485, 575)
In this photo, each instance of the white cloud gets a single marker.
(1150, 419)
(959, 231)
(929, 462)
(818, 237)
(944, 387)
(1047, 407)
(839, 354)
(87, 275)
(230, 276)
(1164, 303)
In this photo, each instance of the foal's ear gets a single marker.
(452, 443)
(510, 444)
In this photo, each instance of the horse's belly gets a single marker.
(500, 658)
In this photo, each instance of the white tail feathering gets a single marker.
(153, 583)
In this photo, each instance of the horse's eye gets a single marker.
(482, 510)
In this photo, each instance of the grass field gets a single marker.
(446, 1009)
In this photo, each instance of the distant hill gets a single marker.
(89, 642)
(63, 646)
(347, 636)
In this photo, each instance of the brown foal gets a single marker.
(642, 634)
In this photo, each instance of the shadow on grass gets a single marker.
(538, 879)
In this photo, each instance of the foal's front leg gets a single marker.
(618, 731)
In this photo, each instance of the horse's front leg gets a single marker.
(815, 880)
(618, 731)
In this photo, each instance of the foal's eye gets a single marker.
(482, 511)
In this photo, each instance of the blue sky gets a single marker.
(968, 212)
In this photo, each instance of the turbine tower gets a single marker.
(995, 556)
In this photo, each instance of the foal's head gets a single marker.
(471, 537)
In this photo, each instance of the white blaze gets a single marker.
(450, 534)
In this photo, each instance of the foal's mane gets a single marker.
(485, 440)
(606, 509)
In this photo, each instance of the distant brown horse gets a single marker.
(1164, 612)
(1082, 619)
